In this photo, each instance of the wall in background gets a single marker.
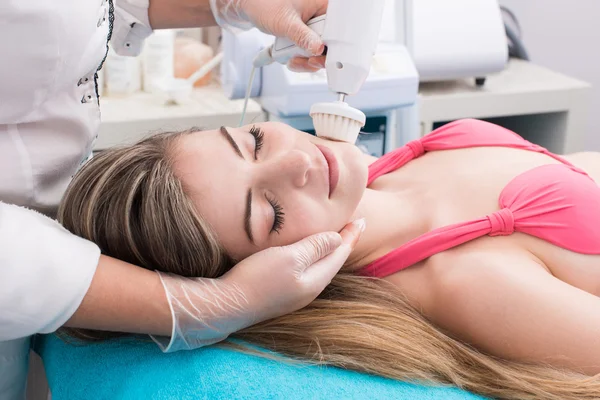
(564, 35)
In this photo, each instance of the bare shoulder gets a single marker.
(473, 285)
(449, 277)
(479, 265)
(505, 303)
(468, 281)
(588, 161)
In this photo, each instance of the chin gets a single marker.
(356, 173)
(358, 169)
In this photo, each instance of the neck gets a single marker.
(392, 219)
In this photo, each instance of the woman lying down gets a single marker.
(479, 267)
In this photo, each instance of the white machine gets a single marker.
(464, 38)
(350, 30)
(392, 81)
(458, 39)
(349, 59)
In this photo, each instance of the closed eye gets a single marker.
(259, 140)
(278, 215)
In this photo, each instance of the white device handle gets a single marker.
(284, 49)
(351, 35)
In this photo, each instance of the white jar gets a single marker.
(158, 59)
(123, 74)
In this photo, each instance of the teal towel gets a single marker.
(130, 369)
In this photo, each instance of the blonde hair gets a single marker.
(131, 204)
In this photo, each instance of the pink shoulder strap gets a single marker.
(456, 135)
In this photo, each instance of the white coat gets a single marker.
(49, 118)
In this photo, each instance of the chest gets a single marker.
(448, 187)
(471, 192)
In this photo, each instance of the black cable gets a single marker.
(514, 19)
(516, 46)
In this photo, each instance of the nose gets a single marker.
(292, 166)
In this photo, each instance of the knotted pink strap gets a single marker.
(502, 223)
(417, 148)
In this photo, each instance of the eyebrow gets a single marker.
(248, 216)
(248, 212)
(232, 142)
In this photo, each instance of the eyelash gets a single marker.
(279, 218)
(279, 215)
(259, 139)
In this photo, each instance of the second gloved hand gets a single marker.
(282, 18)
(266, 285)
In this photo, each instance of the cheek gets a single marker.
(337, 147)
(306, 218)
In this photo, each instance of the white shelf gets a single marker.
(129, 119)
(548, 100)
(544, 106)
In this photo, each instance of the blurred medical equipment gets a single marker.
(180, 90)
(288, 97)
(172, 65)
(460, 39)
(544, 106)
(189, 56)
(516, 47)
(350, 54)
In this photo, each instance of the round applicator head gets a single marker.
(337, 121)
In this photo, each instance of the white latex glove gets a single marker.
(266, 285)
(282, 18)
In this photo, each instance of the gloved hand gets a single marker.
(282, 18)
(266, 285)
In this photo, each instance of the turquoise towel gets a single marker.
(129, 369)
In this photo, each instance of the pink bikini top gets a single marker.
(558, 203)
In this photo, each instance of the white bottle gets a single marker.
(123, 75)
(157, 60)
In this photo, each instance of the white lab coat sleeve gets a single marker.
(131, 26)
(45, 272)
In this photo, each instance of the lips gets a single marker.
(333, 168)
